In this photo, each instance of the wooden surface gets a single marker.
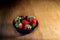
(47, 13)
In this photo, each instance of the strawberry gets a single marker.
(25, 28)
(25, 22)
(20, 25)
(24, 17)
(32, 20)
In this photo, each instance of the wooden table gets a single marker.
(47, 13)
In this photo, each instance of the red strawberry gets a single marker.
(24, 17)
(20, 25)
(25, 22)
(32, 20)
(25, 28)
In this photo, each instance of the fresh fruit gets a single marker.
(20, 25)
(25, 22)
(32, 20)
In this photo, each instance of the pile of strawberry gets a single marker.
(25, 22)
